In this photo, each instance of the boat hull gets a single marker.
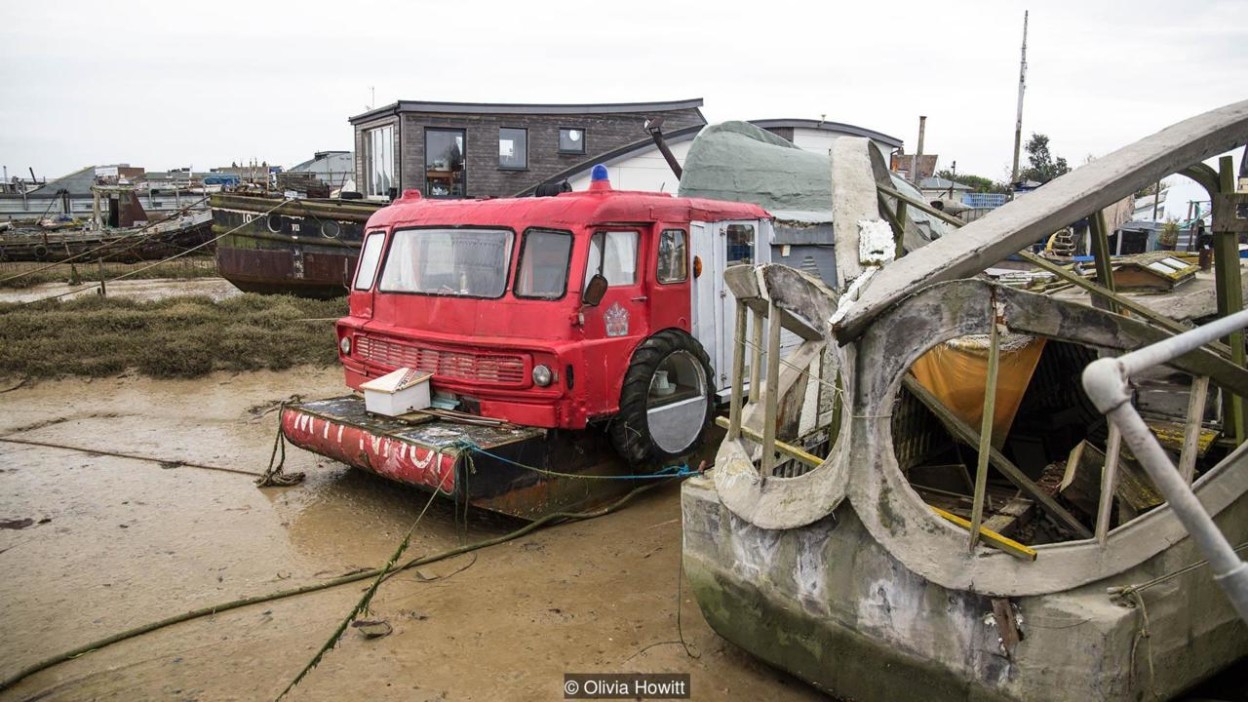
(297, 247)
(829, 604)
(482, 466)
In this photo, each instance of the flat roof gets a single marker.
(487, 108)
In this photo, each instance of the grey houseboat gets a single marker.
(450, 149)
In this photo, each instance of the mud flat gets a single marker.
(114, 543)
(153, 289)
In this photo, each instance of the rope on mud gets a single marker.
(164, 462)
(361, 607)
(681, 470)
(342, 580)
(273, 475)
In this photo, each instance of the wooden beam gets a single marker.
(1109, 483)
(772, 394)
(967, 435)
(985, 430)
(787, 449)
(1191, 432)
(1230, 293)
(738, 371)
(1122, 300)
(991, 538)
(1100, 252)
(904, 199)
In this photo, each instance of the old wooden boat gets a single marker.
(150, 242)
(861, 532)
(303, 246)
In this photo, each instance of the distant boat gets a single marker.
(273, 245)
(62, 241)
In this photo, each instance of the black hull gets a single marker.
(295, 247)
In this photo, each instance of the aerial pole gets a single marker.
(1022, 85)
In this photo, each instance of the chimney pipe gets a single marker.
(918, 153)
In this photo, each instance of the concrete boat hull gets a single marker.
(829, 604)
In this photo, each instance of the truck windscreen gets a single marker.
(460, 262)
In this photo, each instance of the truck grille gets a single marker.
(493, 369)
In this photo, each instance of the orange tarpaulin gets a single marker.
(957, 371)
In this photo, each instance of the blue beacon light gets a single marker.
(598, 179)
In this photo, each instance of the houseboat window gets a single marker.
(460, 262)
(444, 163)
(366, 272)
(513, 148)
(740, 243)
(572, 141)
(614, 256)
(673, 257)
(379, 160)
(543, 268)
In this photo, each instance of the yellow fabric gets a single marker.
(957, 375)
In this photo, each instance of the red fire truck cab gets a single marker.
(601, 307)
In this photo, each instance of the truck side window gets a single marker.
(740, 243)
(543, 269)
(614, 256)
(366, 272)
(673, 257)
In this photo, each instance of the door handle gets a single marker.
(641, 298)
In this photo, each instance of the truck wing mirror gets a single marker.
(594, 291)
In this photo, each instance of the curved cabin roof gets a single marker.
(593, 207)
(823, 125)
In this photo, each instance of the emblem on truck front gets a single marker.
(616, 319)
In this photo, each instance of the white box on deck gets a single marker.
(405, 390)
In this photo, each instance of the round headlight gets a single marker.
(541, 375)
(345, 346)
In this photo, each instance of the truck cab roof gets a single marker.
(573, 209)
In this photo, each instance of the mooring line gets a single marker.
(167, 463)
(678, 470)
(343, 580)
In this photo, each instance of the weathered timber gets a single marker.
(967, 435)
(985, 431)
(787, 449)
(1008, 229)
(1229, 292)
(1100, 252)
(991, 538)
(1082, 485)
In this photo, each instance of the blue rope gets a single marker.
(680, 470)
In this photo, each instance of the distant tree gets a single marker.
(1043, 166)
(980, 184)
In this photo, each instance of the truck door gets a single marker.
(619, 321)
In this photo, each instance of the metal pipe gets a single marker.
(1106, 383)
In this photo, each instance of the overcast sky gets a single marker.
(172, 84)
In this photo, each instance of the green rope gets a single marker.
(343, 580)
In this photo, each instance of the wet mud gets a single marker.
(147, 289)
(112, 543)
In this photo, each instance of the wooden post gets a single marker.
(738, 373)
(1109, 483)
(756, 355)
(1230, 294)
(773, 389)
(985, 428)
(1191, 433)
(1100, 251)
(103, 284)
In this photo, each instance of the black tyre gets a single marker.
(666, 400)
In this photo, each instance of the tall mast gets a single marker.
(1022, 85)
